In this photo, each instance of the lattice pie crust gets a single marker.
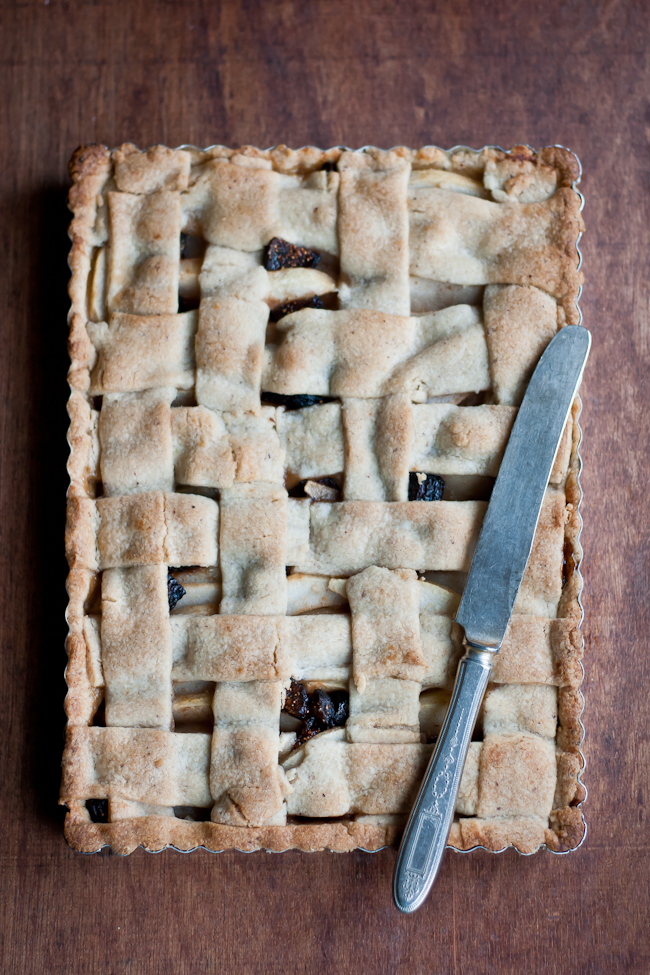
(287, 520)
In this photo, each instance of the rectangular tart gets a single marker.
(293, 375)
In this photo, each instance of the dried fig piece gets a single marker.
(425, 487)
(296, 402)
(296, 702)
(98, 809)
(174, 591)
(341, 703)
(287, 309)
(319, 711)
(310, 729)
(280, 253)
(322, 708)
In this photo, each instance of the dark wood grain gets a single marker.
(324, 72)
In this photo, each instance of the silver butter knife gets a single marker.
(492, 585)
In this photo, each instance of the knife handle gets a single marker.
(427, 830)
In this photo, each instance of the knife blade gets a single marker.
(493, 582)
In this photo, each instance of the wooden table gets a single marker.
(324, 72)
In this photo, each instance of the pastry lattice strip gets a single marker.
(335, 778)
(146, 444)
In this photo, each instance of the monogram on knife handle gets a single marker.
(492, 585)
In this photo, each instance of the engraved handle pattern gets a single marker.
(425, 836)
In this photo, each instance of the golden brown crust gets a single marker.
(86, 161)
(282, 158)
(83, 463)
(82, 353)
(156, 168)
(570, 705)
(89, 170)
(158, 833)
(567, 830)
(563, 161)
(82, 699)
(80, 547)
(80, 584)
(525, 835)
(567, 788)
